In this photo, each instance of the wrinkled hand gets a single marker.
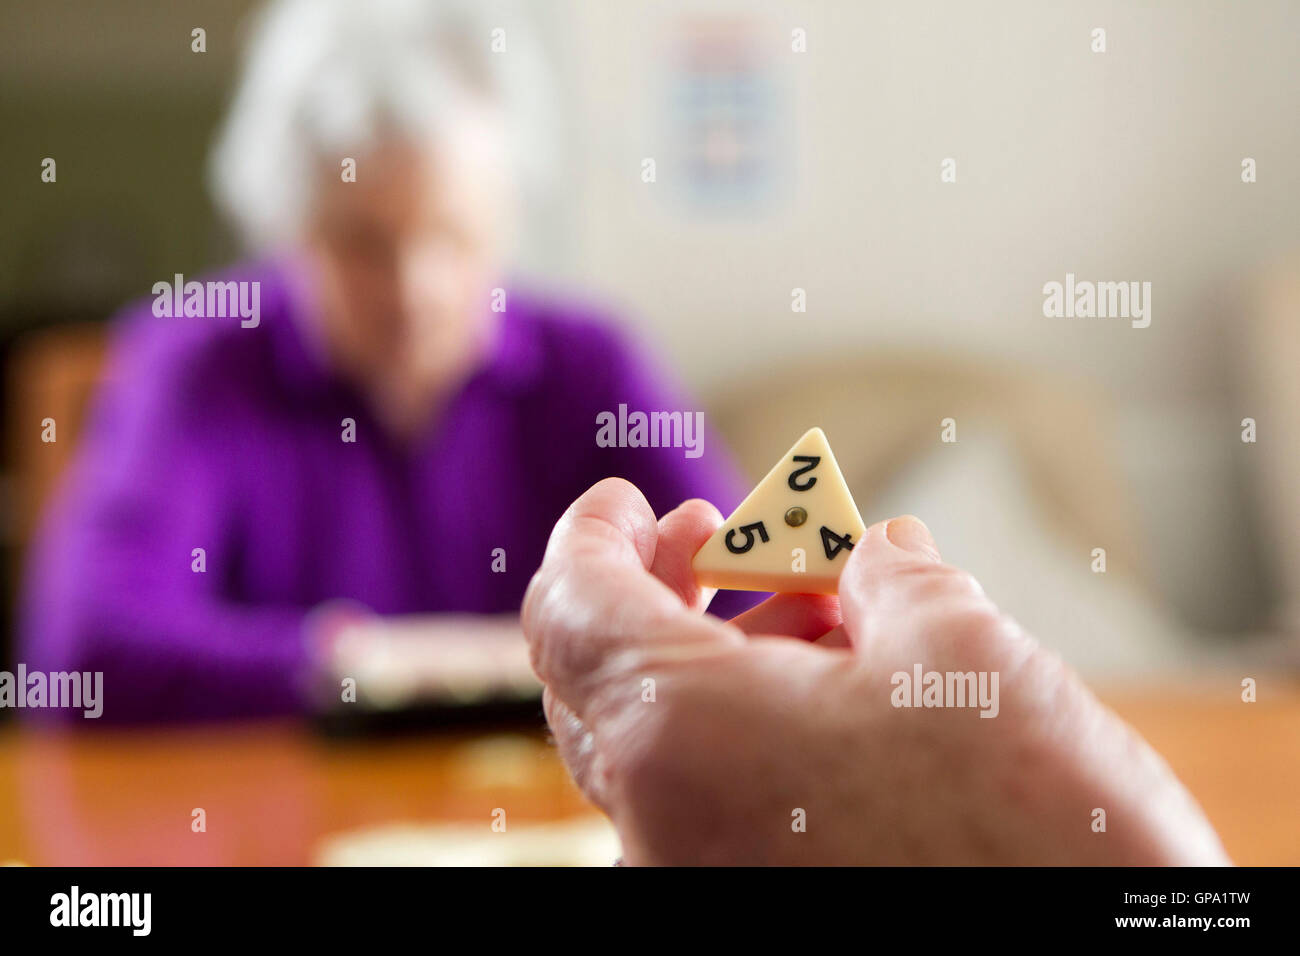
(772, 739)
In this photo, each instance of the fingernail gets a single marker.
(911, 534)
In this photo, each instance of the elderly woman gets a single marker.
(383, 428)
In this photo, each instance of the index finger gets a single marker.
(594, 607)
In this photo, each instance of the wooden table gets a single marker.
(273, 792)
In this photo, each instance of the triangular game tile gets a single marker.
(793, 533)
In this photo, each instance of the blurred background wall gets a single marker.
(817, 170)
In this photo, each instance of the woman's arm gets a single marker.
(127, 575)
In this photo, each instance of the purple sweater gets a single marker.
(214, 436)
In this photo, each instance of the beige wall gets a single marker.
(1124, 165)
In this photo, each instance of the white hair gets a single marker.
(324, 79)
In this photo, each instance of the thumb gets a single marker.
(895, 585)
(910, 534)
